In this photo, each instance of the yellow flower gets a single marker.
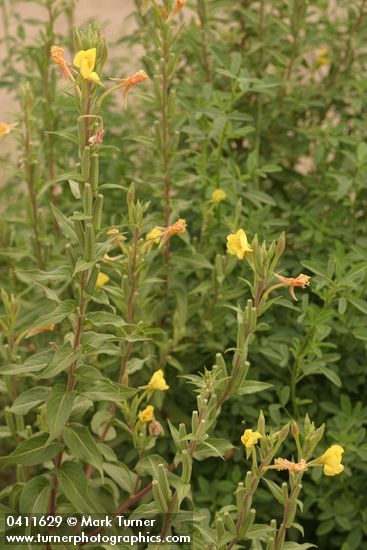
(154, 236)
(85, 61)
(237, 244)
(219, 195)
(331, 459)
(102, 279)
(146, 415)
(6, 128)
(250, 438)
(157, 381)
(112, 232)
(322, 58)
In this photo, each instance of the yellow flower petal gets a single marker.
(237, 244)
(331, 459)
(102, 279)
(94, 77)
(146, 415)
(219, 195)
(85, 61)
(77, 61)
(154, 236)
(157, 382)
(250, 438)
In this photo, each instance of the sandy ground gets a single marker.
(112, 14)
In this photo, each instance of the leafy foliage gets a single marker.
(112, 291)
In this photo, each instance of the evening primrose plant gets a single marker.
(112, 404)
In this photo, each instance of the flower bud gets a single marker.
(158, 497)
(230, 524)
(97, 212)
(94, 173)
(87, 199)
(79, 230)
(92, 281)
(85, 163)
(89, 246)
(186, 467)
(70, 256)
(163, 483)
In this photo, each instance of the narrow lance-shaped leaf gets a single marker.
(82, 445)
(58, 409)
(29, 399)
(32, 451)
(73, 484)
(57, 314)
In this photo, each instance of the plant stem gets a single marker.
(246, 504)
(165, 150)
(289, 506)
(203, 18)
(31, 183)
(123, 375)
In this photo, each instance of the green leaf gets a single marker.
(103, 318)
(106, 390)
(62, 177)
(57, 314)
(33, 364)
(35, 496)
(32, 451)
(253, 386)
(65, 135)
(361, 305)
(73, 484)
(296, 546)
(29, 399)
(58, 409)
(315, 267)
(121, 474)
(319, 368)
(65, 224)
(82, 445)
(57, 275)
(82, 265)
(191, 261)
(183, 490)
(212, 447)
(63, 358)
(259, 197)
(276, 491)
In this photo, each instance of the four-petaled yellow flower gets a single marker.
(154, 235)
(147, 414)
(237, 244)
(301, 281)
(219, 195)
(331, 459)
(6, 128)
(250, 438)
(85, 60)
(102, 279)
(157, 381)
